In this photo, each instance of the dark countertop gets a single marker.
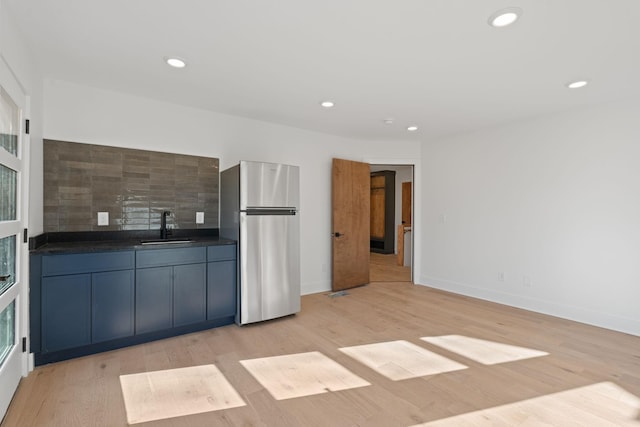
(100, 241)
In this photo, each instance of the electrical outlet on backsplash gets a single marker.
(133, 186)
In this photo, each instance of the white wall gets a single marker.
(82, 114)
(553, 203)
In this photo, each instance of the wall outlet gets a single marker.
(502, 276)
(199, 217)
(103, 218)
(526, 281)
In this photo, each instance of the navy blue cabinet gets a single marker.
(221, 295)
(66, 311)
(78, 299)
(170, 256)
(189, 294)
(85, 303)
(112, 307)
(56, 265)
(154, 299)
(170, 288)
(221, 281)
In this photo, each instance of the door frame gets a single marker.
(20, 290)
(416, 201)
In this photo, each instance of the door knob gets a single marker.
(338, 234)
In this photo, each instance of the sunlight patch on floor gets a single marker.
(400, 360)
(601, 404)
(302, 374)
(173, 393)
(483, 351)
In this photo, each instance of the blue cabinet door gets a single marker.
(221, 289)
(66, 311)
(189, 294)
(112, 305)
(154, 299)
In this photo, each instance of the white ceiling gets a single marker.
(433, 63)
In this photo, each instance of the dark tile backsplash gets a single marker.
(134, 186)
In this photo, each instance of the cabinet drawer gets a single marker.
(221, 253)
(56, 265)
(162, 257)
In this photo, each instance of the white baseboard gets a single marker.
(315, 287)
(578, 314)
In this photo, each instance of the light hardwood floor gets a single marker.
(384, 268)
(591, 376)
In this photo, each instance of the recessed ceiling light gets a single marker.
(388, 121)
(412, 128)
(577, 84)
(175, 62)
(327, 104)
(505, 17)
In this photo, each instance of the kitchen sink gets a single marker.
(165, 241)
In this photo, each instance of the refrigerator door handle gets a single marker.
(270, 211)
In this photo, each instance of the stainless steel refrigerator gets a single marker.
(259, 209)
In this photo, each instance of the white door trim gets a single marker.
(417, 206)
(16, 364)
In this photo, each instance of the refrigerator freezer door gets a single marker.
(268, 185)
(270, 267)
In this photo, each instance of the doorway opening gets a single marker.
(391, 236)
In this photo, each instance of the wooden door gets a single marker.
(350, 221)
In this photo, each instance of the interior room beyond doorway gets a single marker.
(391, 234)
